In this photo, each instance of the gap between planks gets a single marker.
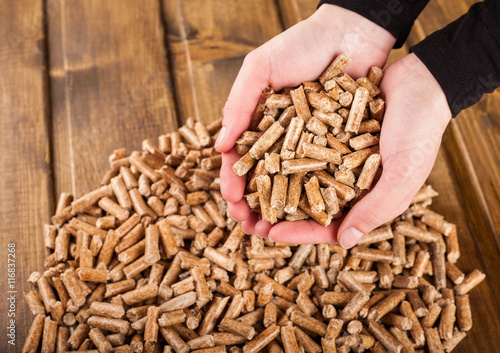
(189, 64)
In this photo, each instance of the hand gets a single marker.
(416, 116)
(299, 54)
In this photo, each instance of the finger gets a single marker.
(304, 232)
(262, 228)
(239, 211)
(249, 225)
(232, 186)
(251, 80)
(390, 197)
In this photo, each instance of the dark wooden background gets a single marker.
(81, 78)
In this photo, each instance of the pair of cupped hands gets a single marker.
(416, 116)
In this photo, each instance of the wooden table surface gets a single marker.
(82, 78)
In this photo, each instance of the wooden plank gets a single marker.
(294, 11)
(207, 40)
(479, 127)
(110, 85)
(25, 186)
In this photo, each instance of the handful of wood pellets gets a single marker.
(150, 262)
(321, 137)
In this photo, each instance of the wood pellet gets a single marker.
(177, 275)
(318, 143)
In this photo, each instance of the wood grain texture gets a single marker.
(459, 206)
(110, 85)
(480, 129)
(477, 213)
(207, 41)
(25, 185)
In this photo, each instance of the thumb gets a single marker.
(244, 96)
(390, 197)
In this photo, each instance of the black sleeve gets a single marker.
(396, 16)
(464, 57)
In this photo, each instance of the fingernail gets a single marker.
(350, 237)
(221, 137)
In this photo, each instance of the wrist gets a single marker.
(360, 34)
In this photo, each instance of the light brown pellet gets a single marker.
(265, 193)
(470, 281)
(100, 341)
(302, 165)
(212, 315)
(433, 341)
(106, 309)
(386, 305)
(464, 314)
(262, 340)
(416, 330)
(314, 196)
(448, 317)
(384, 337)
(109, 324)
(174, 340)
(292, 138)
(49, 335)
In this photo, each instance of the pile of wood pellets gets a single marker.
(312, 151)
(150, 262)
